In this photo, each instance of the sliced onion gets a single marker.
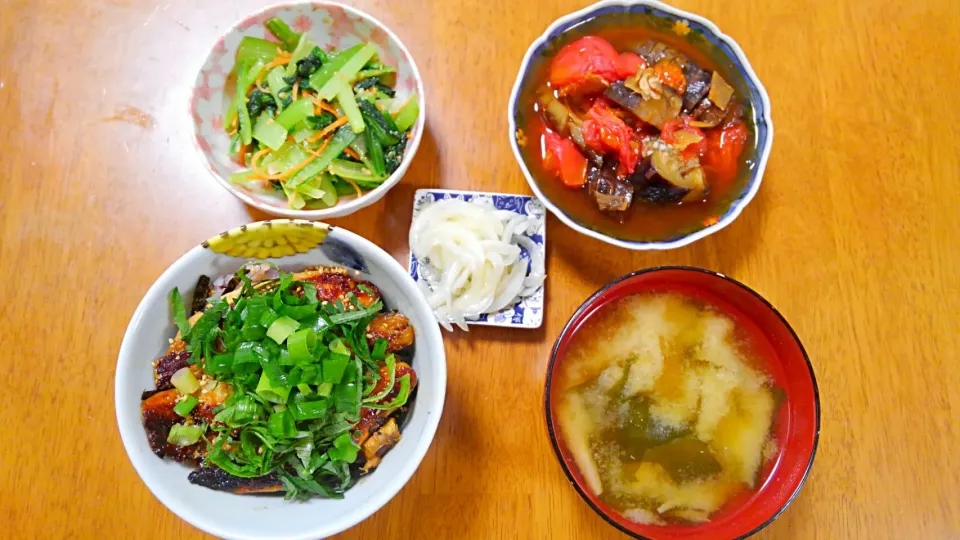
(470, 259)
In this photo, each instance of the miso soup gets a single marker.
(665, 408)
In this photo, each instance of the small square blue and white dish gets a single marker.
(524, 313)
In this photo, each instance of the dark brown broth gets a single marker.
(644, 221)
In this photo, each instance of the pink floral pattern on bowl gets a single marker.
(331, 26)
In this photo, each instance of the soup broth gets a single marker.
(645, 221)
(665, 410)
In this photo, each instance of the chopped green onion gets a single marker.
(182, 435)
(282, 328)
(337, 346)
(253, 332)
(271, 392)
(184, 407)
(220, 364)
(281, 425)
(184, 381)
(334, 366)
(246, 359)
(347, 395)
(301, 344)
(324, 389)
(309, 410)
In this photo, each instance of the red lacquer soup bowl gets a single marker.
(796, 424)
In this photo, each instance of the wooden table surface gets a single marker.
(853, 236)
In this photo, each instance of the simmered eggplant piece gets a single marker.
(698, 85)
(612, 193)
(651, 187)
(652, 111)
(706, 114)
(565, 122)
(720, 91)
(684, 174)
(654, 51)
(698, 79)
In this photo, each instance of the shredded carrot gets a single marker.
(242, 154)
(293, 170)
(355, 186)
(324, 106)
(320, 149)
(337, 123)
(279, 61)
(255, 165)
(349, 151)
(232, 131)
(259, 82)
(296, 87)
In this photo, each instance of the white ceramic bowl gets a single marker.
(329, 24)
(270, 517)
(708, 35)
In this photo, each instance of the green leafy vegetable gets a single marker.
(284, 33)
(179, 313)
(393, 155)
(269, 132)
(252, 49)
(320, 121)
(407, 115)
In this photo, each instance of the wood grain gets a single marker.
(853, 236)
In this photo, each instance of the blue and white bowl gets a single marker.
(723, 46)
(528, 311)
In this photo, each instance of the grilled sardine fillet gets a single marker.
(393, 327)
(220, 480)
(379, 444)
(335, 283)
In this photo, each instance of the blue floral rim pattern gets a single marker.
(759, 100)
(528, 312)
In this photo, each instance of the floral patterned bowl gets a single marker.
(292, 245)
(330, 25)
